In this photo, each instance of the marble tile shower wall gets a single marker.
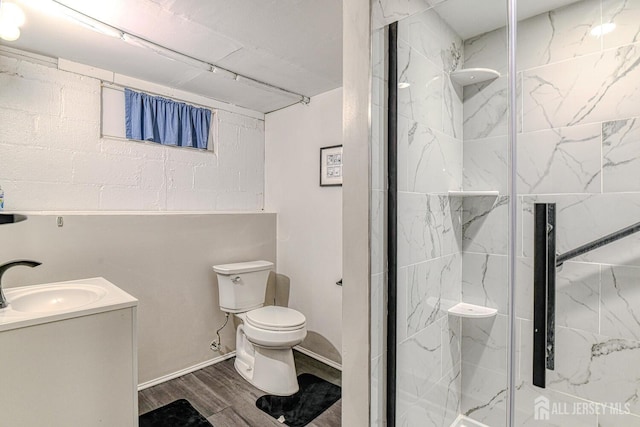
(429, 222)
(579, 147)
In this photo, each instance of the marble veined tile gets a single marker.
(452, 109)
(561, 402)
(451, 342)
(581, 219)
(564, 160)
(524, 288)
(378, 94)
(385, 12)
(488, 50)
(484, 225)
(484, 395)
(561, 413)
(592, 88)
(597, 368)
(401, 304)
(432, 37)
(524, 350)
(620, 302)
(486, 164)
(559, 34)
(577, 294)
(434, 160)
(485, 109)
(419, 366)
(484, 342)
(617, 420)
(484, 280)
(428, 227)
(625, 14)
(378, 54)
(404, 126)
(621, 155)
(421, 100)
(433, 288)
(439, 407)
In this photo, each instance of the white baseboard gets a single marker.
(186, 371)
(224, 357)
(319, 358)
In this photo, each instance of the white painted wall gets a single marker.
(164, 260)
(53, 158)
(309, 216)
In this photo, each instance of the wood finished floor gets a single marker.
(220, 394)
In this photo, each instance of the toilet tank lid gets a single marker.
(242, 267)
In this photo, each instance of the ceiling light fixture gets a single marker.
(403, 85)
(9, 33)
(11, 12)
(601, 30)
(11, 19)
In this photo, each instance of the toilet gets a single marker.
(265, 339)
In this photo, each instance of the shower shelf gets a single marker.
(489, 193)
(470, 310)
(470, 76)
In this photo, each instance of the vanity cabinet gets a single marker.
(75, 372)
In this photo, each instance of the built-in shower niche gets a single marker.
(475, 208)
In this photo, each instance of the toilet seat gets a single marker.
(275, 318)
(274, 327)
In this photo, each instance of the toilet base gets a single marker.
(271, 370)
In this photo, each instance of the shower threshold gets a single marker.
(463, 421)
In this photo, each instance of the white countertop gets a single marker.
(114, 298)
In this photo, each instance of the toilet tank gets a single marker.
(242, 286)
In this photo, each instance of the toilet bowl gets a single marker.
(267, 334)
(263, 348)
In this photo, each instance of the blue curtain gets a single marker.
(152, 118)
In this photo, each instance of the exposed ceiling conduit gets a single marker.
(110, 30)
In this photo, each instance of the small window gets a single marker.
(114, 118)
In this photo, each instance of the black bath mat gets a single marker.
(176, 414)
(314, 397)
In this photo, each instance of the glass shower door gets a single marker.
(578, 147)
(451, 281)
(576, 179)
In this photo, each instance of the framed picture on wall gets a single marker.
(331, 166)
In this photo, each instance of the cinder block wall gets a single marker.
(54, 158)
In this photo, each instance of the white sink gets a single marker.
(38, 304)
(46, 299)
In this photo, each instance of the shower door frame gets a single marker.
(392, 214)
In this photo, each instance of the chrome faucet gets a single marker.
(5, 267)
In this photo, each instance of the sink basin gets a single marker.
(47, 299)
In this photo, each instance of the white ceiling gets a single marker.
(293, 44)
